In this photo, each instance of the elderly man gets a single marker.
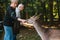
(18, 9)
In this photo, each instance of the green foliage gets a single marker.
(2, 10)
(49, 9)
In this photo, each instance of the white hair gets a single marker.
(20, 5)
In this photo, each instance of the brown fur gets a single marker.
(45, 34)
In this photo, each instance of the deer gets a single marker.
(44, 33)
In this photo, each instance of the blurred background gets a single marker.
(49, 10)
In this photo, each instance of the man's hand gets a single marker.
(21, 20)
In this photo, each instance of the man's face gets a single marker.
(21, 8)
(15, 4)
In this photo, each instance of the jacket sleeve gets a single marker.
(12, 15)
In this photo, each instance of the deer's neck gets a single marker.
(40, 31)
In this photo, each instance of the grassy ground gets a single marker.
(25, 34)
(28, 34)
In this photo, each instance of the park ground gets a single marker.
(25, 34)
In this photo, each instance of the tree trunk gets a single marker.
(45, 34)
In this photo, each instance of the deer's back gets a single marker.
(54, 34)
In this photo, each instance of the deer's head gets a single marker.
(33, 19)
